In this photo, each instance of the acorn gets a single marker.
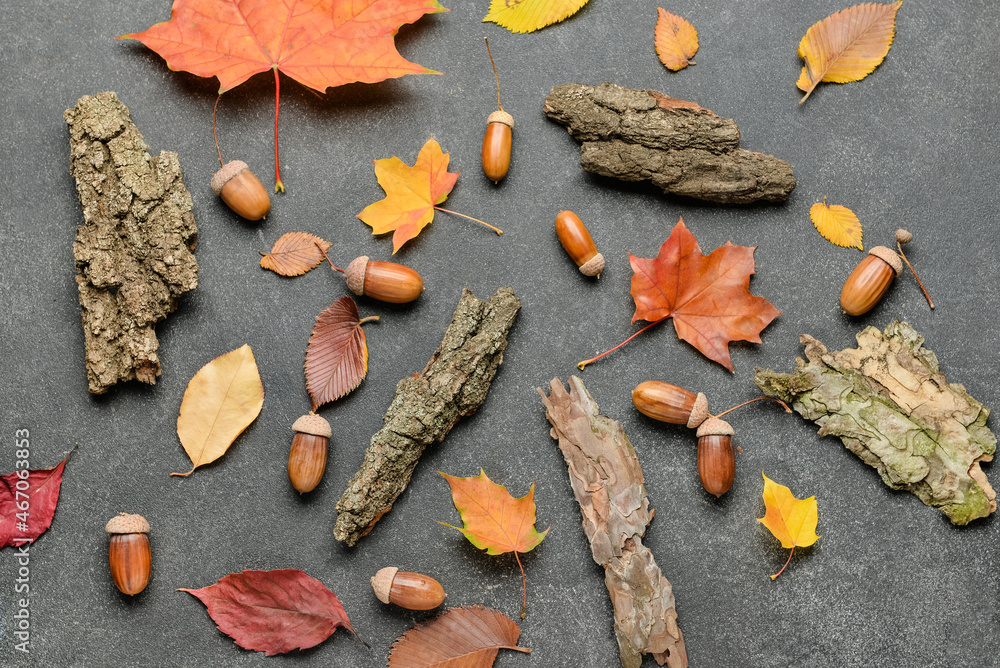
(128, 552)
(412, 591)
(667, 402)
(385, 281)
(870, 280)
(241, 190)
(716, 459)
(307, 458)
(575, 238)
(499, 135)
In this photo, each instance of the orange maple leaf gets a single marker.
(494, 520)
(411, 194)
(321, 44)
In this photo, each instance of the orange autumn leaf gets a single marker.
(837, 224)
(295, 253)
(676, 40)
(320, 44)
(792, 521)
(846, 46)
(337, 352)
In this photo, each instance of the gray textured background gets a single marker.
(890, 583)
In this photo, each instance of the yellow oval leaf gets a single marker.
(837, 224)
(676, 40)
(222, 399)
(792, 521)
(531, 15)
(846, 46)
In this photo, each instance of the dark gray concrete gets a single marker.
(890, 583)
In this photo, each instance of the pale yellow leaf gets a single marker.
(531, 15)
(837, 224)
(222, 399)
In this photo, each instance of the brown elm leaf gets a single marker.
(468, 637)
(28, 501)
(337, 353)
(295, 253)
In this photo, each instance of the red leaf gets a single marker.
(337, 353)
(459, 638)
(273, 611)
(295, 253)
(26, 511)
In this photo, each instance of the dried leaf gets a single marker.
(337, 353)
(846, 46)
(676, 40)
(530, 15)
(321, 44)
(837, 224)
(295, 253)
(28, 501)
(468, 637)
(790, 520)
(410, 193)
(273, 611)
(222, 399)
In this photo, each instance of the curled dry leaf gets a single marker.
(531, 15)
(273, 611)
(846, 46)
(337, 353)
(790, 520)
(28, 501)
(837, 224)
(676, 40)
(295, 253)
(222, 399)
(468, 637)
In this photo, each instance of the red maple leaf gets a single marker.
(319, 43)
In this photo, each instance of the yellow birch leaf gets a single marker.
(846, 46)
(676, 40)
(222, 399)
(531, 15)
(792, 521)
(837, 224)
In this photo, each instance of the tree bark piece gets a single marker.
(453, 385)
(607, 481)
(889, 403)
(683, 149)
(134, 249)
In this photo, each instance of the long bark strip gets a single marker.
(682, 148)
(453, 385)
(608, 484)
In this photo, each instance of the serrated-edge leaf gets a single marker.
(472, 635)
(522, 16)
(837, 224)
(337, 353)
(295, 253)
(676, 40)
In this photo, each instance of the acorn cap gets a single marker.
(312, 424)
(501, 116)
(904, 236)
(382, 582)
(224, 175)
(593, 267)
(715, 427)
(355, 275)
(125, 523)
(699, 411)
(889, 257)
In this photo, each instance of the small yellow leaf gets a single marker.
(531, 15)
(676, 40)
(837, 224)
(792, 521)
(222, 399)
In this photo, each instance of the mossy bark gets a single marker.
(889, 403)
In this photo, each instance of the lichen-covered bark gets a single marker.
(683, 149)
(134, 249)
(453, 385)
(890, 404)
(607, 481)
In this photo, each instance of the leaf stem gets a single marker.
(495, 229)
(787, 561)
(214, 135)
(919, 282)
(279, 187)
(323, 251)
(371, 318)
(581, 365)
(524, 585)
(787, 409)
(495, 75)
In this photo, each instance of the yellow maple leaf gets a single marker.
(676, 40)
(837, 224)
(790, 520)
(847, 46)
(531, 15)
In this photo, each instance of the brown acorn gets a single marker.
(667, 402)
(128, 552)
(716, 459)
(385, 281)
(499, 136)
(575, 238)
(307, 458)
(412, 591)
(241, 190)
(870, 280)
